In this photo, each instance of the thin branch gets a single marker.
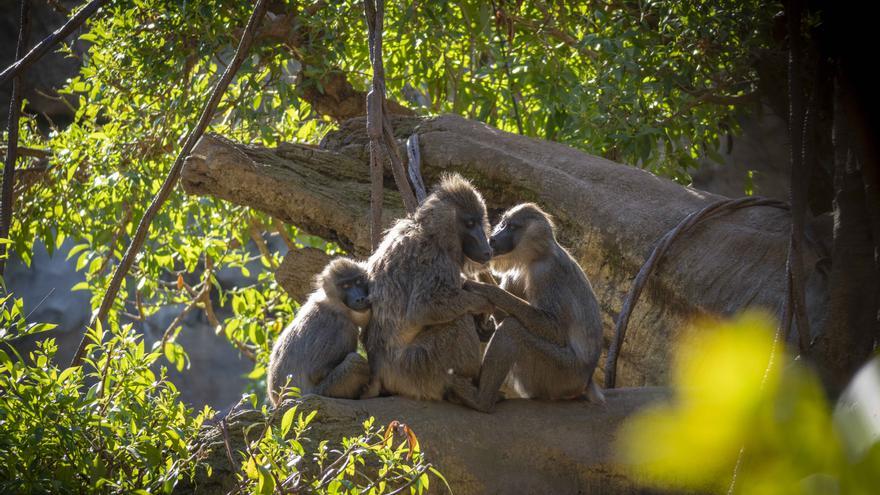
(171, 180)
(8, 193)
(31, 152)
(50, 41)
(659, 250)
(414, 167)
(282, 231)
(255, 228)
(166, 335)
(229, 457)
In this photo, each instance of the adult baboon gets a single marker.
(421, 340)
(548, 345)
(318, 350)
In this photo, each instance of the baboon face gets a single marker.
(347, 281)
(472, 233)
(455, 211)
(524, 224)
(355, 293)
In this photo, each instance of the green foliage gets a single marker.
(110, 426)
(636, 82)
(743, 406)
(276, 458)
(648, 83)
(114, 425)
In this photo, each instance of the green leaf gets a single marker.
(287, 421)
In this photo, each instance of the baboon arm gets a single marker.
(537, 321)
(347, 380)
(444, 306)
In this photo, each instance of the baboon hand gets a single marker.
(480, 305)
(474, 286)
(479, 288)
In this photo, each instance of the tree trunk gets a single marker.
(523, 447)
(853, 324)
(609, 215)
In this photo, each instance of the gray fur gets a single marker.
(550, 336)
(318, 350)
(421, 341)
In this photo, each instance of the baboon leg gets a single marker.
(373, 388)
(560, 355)
(347, 380)
(533, 319)
(463, 390)
(502, 352)
(509, 343)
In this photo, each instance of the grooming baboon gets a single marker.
(421, 341)
(318, 350)
(548, 345)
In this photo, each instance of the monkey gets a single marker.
(421, 341)
(549, 338)
(318, 350)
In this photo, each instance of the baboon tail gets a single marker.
(594, 393)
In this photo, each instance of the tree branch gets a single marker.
(8, 193)
(609, 216)
(22, 62)
(173, 174)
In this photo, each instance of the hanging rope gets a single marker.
(710, 211)
(383, 146)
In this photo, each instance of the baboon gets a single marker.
(318, 350)
(548, 345)
(421, 341)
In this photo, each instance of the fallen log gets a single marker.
(523, 447)
(609, 215)
(297, 271)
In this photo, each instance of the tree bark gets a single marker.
(609, 215)
(852, 328)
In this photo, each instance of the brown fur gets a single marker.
(421, 340)
(318, 350)
(548, 344)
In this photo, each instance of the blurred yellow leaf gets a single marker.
(722, 371)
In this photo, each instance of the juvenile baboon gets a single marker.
(318, 350)
(421, 341)
(548, 345)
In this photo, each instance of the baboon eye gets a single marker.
(470, 224)
(346, 286)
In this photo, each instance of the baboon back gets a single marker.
(414, 361)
